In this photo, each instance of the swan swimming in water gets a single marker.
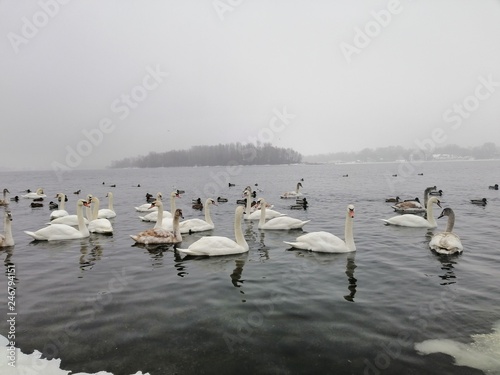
(6, 239)
(61, 212)
(146, 207)
(447, 242)
(415, 221)
(39, 194)
(153, 216)
(98, 225)
(326, 242)
(278, 223)
(194, 225)
(63, 231)
(107, 213)
(292, 194)
(217, 245)
(158, 235)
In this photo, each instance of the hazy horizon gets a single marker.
(86, 83)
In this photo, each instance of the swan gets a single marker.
(63, 231)
(447, 242)
(416, 221)
(217, 245)
(194, 225)
(153, 216)
(481, 202)
(254, 214)
(159, 235)
(326, 242)
(146, 207)
(4, 202)
(39, 194)
(292, 194)
(99, 225)
(278, 223)
(107, 213)
(61, 212)
(6, 239)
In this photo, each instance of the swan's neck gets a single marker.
(208, 218)
(249, 205)
(159, 220)
(430, 215)
(95, 209)
(238, 232)
(110, 202)
(9, 240)
(62, 205)
(451, 222)
(426, 197)
(348, 234)
(172, 205)
(262, 219)
(175, 226)
(81, 224)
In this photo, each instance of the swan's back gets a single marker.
(446, 243)
(56, 232)
(213, 246)
(321, 242)
(408, 220)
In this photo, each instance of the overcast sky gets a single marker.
(87, 82)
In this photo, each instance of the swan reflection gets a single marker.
(447, 262)
(88, 258)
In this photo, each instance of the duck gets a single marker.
(77, 192)
(15, 198)
(36, 205)
(326, 242)
(278, 223)
(150, 198)
(158, 235)
(218, 245)
(221, 200)
(55, 232)
(439, 193)
(61, 211)
(414, 206)
(107, 213)
(397, 199)
(53, 205)
(153, 216)
(416, 221)
(292, 194)
(447, 242)
(38, 194)
(4, 201)
(493, 187)
(197, 205)
(300, 204)
(147, 207)
(6, 239)
(195, 225)
(96, 224)
(231, 185)
(481, 202)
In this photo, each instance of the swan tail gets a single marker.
(292, 244)
(32, 234)
(135, 238)
(387, 222)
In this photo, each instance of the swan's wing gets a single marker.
(55, 232)
(194, 225)
(319, 241)
(446, 243)
(213, 246)
(284, 222)
(408, 220)
(100, 226)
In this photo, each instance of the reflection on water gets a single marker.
(447, 262)
(88, 259)
(351, 280)
(238, 270)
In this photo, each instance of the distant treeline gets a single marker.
(222, 154)
(392, 153)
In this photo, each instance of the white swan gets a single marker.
(217, 245)
(6, 239)
(71, 219)
(153, 216)
(254, 214)
(416, 221)
(61, 212)
(278, 223)
(62, 231)
(146, 207)
(107, 213)
(99, 225)
(160, 235)
(194, 225)
(292, 194)
(4, 201)
(39, 194)
(326, 242)
(447, 242)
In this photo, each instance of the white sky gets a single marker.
(231, 70)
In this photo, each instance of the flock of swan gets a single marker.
(168, 227)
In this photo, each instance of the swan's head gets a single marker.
(239, 211)
(350, 211)
(446, 212)
(175, 194)
(210, 201)
(5, 191)
(159, 196)
(178, 214)
(8, 216)
(109, 195)
(434, 200)
(156, 203)
(39, 191)
(82, 202)
(299, 184)
(89, 198)
(261, 201)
